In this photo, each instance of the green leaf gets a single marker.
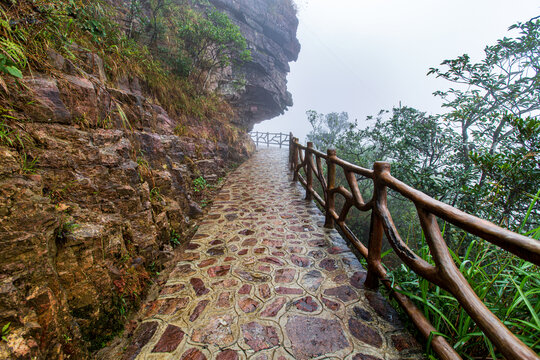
(526, 300)
(13, 71)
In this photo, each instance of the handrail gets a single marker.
(444, 273)
(522, 246)
(268, 138)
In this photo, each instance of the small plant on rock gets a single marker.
(58, 194)
(9, 136)
(144, 166)
(65, 228)
(126, 124)
(5, 331)
(199, 184)
(153, 268)
(155, 195)
(205, 202)
(180, 130)
(67, 338)
(5, 135)
(174, 239)
(28, 165)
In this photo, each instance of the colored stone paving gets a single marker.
(263, 279)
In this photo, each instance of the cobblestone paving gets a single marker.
(262, 279)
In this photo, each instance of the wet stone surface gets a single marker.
(308, 341)
(306, 304)
(262, 279)
(169, 341)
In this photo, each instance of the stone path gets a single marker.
(262, 279)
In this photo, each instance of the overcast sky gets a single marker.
(362, 56)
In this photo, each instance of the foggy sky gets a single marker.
(362, 56)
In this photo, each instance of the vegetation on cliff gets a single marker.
(174, 46)
(481, 156)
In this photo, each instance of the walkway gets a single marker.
(262, 279)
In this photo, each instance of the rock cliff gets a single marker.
(91, 209)
(258, 88)
(100, 185)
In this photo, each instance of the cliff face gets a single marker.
(258, 89)
(98, 183)
(103, 205)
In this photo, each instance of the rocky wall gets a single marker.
(95, 190)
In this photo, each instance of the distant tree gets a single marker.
(415, 143)
(327, 129)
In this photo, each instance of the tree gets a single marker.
(327, 129)
(191, 38)
(211, 41)
(415, 143)
(503, 86)
(510, 173)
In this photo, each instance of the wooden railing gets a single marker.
(267, 138)
(444, 273)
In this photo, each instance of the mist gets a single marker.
(364, 56)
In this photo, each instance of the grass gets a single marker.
(6, 135)
(508, 286)
(155, 195)
(143, 166)
(5, 331)
(28, 165)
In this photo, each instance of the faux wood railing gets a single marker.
(267, 138)
(444, 273)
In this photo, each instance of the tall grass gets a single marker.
(508, 286)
